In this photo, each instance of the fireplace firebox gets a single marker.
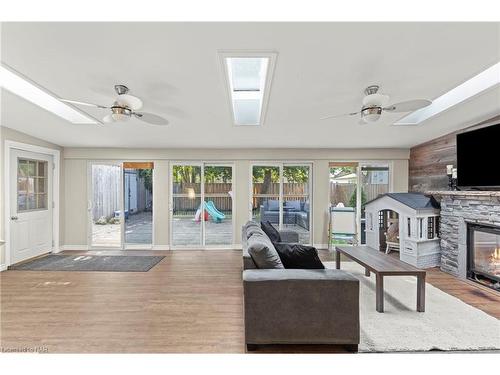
(483, 255)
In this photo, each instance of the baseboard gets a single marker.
(73, 248)
(3, 267)
(321, 246)
(160, 247)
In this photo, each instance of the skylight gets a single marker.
(20, 86)
(477, 84)
(248, 79)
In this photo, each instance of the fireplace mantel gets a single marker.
(464, 193)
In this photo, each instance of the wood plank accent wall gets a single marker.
(427, 165)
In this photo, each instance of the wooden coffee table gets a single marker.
(383, 265)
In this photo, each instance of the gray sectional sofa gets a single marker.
(296, 306)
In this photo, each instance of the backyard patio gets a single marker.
(185, 232)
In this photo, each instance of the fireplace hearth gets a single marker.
(483, 250)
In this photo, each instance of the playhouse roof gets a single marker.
(417, 201)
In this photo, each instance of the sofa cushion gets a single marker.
(254, 230)
(298, 256)
(293, 205)
(273, 205)
(271, 231)
(263, 252)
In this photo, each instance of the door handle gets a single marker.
(14, 218)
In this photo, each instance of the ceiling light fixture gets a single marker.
(477, 84)
(14, 82)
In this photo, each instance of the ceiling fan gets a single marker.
(375, 103)
(123, 108)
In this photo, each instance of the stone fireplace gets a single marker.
(483, 254)
(465, 251)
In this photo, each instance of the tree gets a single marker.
(352, 200)
(147, 176)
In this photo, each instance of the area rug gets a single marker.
(447, 324)
(115, 263)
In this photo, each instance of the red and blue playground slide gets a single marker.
(211, 210)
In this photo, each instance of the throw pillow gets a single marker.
(263, 253)
(298, 256)
(271, 231)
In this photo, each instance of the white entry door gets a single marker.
(30, 205)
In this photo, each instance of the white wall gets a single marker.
(75, 176)
(7, 134)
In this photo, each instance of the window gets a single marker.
(409, 227)
(248, 77)
(31, 184)
(420, 227)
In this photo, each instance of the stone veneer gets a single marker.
(457, 209)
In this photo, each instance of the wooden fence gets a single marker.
(106, 185)
(218, 193)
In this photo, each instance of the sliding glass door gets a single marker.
(201, 210)
(352, 184)
(281, 195)
(120, 205)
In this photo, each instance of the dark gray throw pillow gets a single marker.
(271, 231)
(295, 255)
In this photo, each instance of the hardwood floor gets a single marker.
(191, 302)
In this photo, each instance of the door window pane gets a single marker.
(374, 181)
(186, 205)
(266, 194)
(296, 202)
(138, 197)
(343, 199)
(218, 205)
(106, 187)
(31, 181)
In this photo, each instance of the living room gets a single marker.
(250, 187)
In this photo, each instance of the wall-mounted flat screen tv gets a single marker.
(478, 158)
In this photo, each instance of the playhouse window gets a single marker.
(432, 227)
(420, 227)
(409, 227)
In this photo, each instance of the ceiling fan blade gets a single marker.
(342, 115)
(83, 103)
(151, 118)
(410, 105)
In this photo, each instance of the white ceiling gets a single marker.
(321, 69)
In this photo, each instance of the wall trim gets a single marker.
(56, 155)
(74, 248)
(160, 247)
(321, 246)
